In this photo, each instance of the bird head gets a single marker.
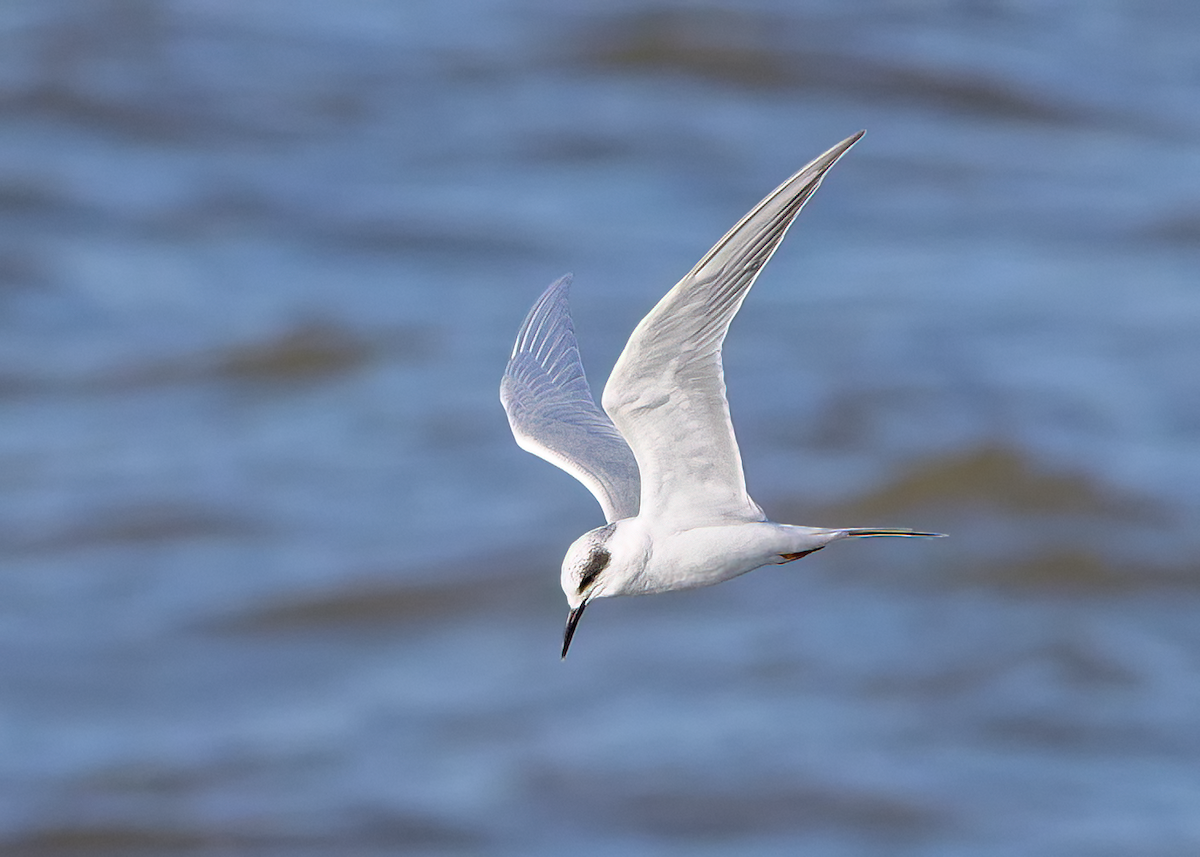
(583, 574)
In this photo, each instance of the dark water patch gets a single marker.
(176, 113)
(760, 51)
(1077, 663)
(119, 840)
(21, 270)
(999, 478)
(578, 146)
(17, 386)
(391, 834)
(959, 679)
(183, 114)
(401, 832)
(239, 210)
(151, 786)
(1181, 228)
(1072, 662)
(455, 428)
(1074, 735)
(386, 237)
(131, 840)
(364, 605)
(128, 69)
(851, 419)
(152, 778)
(404, 598)
(23, 196)
(33, 203)
(694, 813)
(59, 101)
(310, 352)
(721, 45)
(65, 51)
(217, 211)
(144, 524)
(1077, 570)
(961, 91)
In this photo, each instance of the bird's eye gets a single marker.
(597, 562)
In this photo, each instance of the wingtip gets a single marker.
(561, 285)
(836, 152)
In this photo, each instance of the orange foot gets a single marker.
(788, 557)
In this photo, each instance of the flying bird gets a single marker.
(661, 457)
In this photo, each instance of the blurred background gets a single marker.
(277, 581)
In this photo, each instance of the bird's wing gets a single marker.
(553, 414)
(666, 393)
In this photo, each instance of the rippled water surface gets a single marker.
(276, 580)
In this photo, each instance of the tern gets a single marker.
(661, 457)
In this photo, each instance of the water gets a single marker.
(277, 581)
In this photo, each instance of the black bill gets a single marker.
(572, 621)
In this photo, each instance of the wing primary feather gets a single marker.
(666, 395)
(552, 412)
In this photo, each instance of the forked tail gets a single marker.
(866, 532)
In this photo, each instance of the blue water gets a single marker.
(277, 581)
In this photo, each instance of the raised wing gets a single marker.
(553, 414)
(666, 394)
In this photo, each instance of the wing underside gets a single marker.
(553, 414)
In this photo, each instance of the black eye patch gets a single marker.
(597, 562)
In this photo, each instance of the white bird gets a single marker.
(663, 461)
